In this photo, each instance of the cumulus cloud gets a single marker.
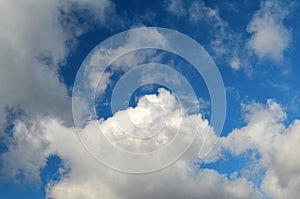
(90, 179)
(33, 47)
(203, 184)
(276, 144)
(35, 39)
(25, 81)
(264, 133)
(270, 36)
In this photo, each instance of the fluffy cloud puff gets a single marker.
(277, 145)
(90, 179)
(270, 37)
(34, 42)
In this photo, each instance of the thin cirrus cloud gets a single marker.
(36, 103)
(223, 41)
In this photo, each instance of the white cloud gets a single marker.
(24, 81)
(235, 63)
(199, 12)
(270, 37)
(277, 145)
(89, 179)
(32, 47)
(28, 150)
(283, 175)
(34, 41)
(176, 7)
(264, 133)
(118, 51)
(203, 184)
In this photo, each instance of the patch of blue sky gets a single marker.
(12, 114)
(53, 170)
(50, 173)
(230, 163)
(8, 191)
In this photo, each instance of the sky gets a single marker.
(137, 99)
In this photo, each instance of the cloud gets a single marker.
(119, 53)
(264, 133)
(28, 150)
(89, 179)
(235, 63)
(270, 37)
(203, 184)
(176, 7)
(276, 144)
(223, 40)
(224, 43)
(35, 40)
(32, 49)
(27, 83)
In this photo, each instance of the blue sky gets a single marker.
(47, 48)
